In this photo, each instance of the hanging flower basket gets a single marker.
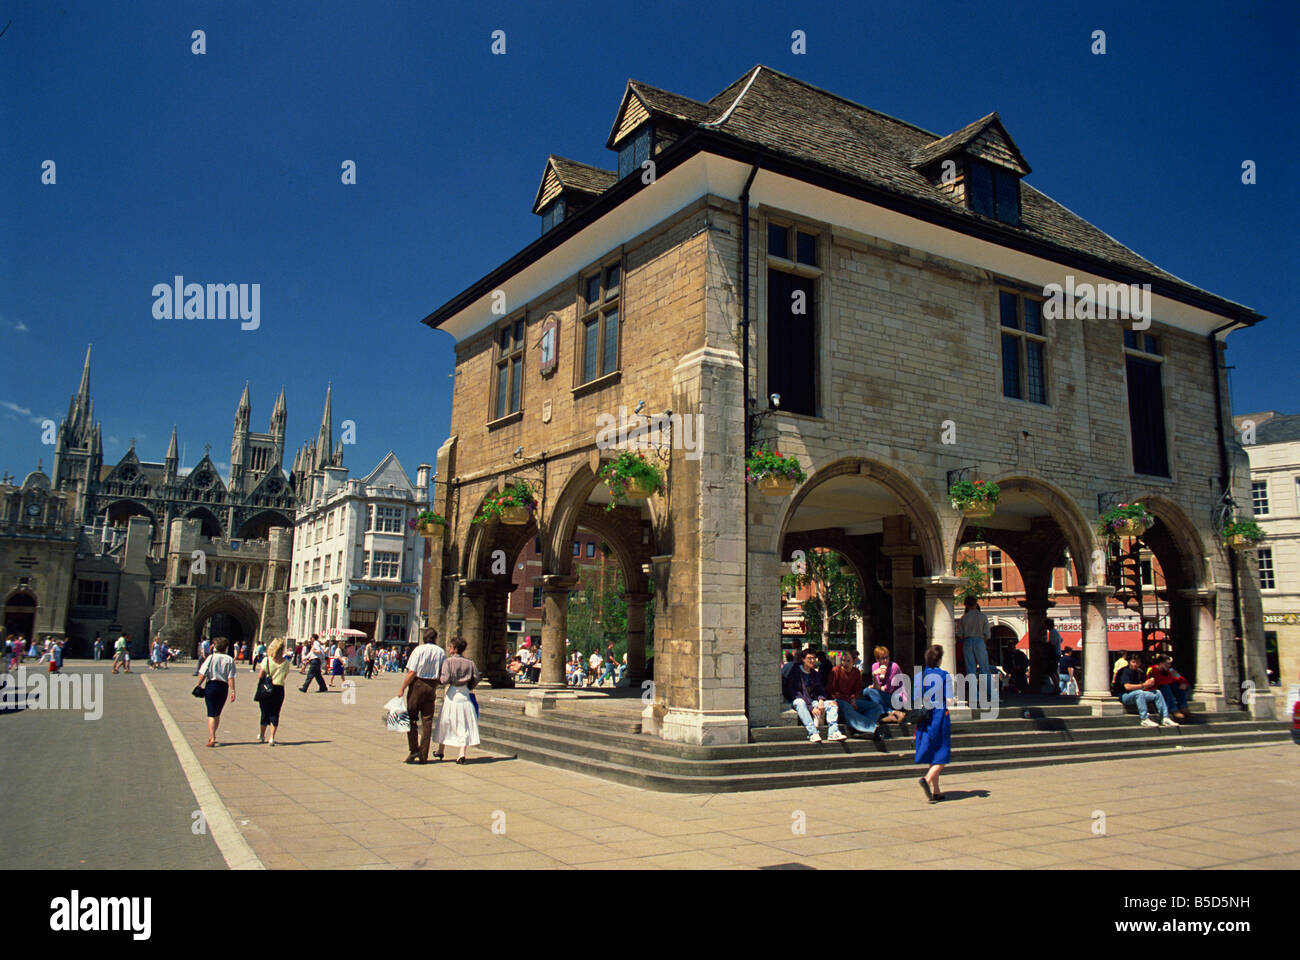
(513, 505)
(429, 524)
(1125, 520)
(631, 476)
(1242, 534)
(976, 499)
(773, 473)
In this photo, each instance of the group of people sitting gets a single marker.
(1146, 680)
(817, 689)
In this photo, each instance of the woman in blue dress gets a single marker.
(933, 741)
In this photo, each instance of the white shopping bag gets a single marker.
(395, 716)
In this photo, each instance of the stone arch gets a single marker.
(1176, 543)
(572, 509)
(209, 525)
(912, 501)
(1064, 512)
(258, 525)
(232, 606)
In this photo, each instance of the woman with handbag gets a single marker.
(270, 687)
(933, 724)
(458, 720)
(218, 670)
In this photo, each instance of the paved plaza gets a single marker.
(335, 794)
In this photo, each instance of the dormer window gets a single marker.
(993, 191)
(553, 214)
(634, 152)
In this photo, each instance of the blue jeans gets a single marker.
(977, 655)
(1143, 699)
(1175, 697)
(805, 717)
(864, 717)
(879, 699)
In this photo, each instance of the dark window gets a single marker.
(599, 329)
(92, 593)
(792, 341)
(634, 152)
(1024, 364)
(537, 544)
(537, 596)
(806, 245)
(591, 549)
(552, 214)
(577, 548)
(993, 191)
(510, 369)
(1146, 415)
(778, 241)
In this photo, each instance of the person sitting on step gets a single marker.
(803, 688)
(1171, 685)
(1135, 689)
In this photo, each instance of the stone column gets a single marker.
(1209, 682)
(941, 618)
(1095, 690)
(1036, 605)
(636, 604)
(555, 627)
(473, 620)
(903, 643)
(495, 632)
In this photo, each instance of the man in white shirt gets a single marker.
(975, 634)
(313, 657)
(420, 687)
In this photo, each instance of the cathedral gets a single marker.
(257, 495)
(138, 527)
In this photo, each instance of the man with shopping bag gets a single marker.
(420, 687)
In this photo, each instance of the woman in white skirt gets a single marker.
(458, 720)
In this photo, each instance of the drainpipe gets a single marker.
(744, 364)
(1238, 625)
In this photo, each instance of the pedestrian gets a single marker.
(1051, 669)
(458, 720)
(218, 670)
(98, 646)
(121, 656)
(1066, 667)
(423, 670)
(336, 663)
(975, 634)
(260, 651)
(934, 739)
(56, 656)
(370, 659)
(275, 666)
(313, 655)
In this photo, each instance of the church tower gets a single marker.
(239, 442)
(78, 454)
(279, 416)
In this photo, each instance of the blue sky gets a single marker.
(225, 168)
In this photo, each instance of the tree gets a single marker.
(977, 581)
(836, 598)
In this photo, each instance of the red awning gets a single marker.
(1117, 640)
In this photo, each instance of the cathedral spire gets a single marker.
(83, 391)
(171, 447)
(245, 404)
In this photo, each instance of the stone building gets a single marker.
(910, 311)
(1274, 452)
(38, 542)
(356, 560)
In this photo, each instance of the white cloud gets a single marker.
(14, 408)
(22, 327)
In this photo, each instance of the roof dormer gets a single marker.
(648, 120)
(978, 167)
(567, 186)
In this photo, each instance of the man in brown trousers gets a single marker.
(422, 670)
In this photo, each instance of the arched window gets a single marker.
(334, 614)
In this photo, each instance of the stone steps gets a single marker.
(576, 744)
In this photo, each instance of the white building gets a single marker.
(1275, 502)
(356, 562)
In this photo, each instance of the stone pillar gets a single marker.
(940, 615)
(903, 643)
(473, 620)
(495, 632)
(1036, 604)
(636, 603)
(763, 618)
(1095, 689)
(1209, 685)
(555, 627)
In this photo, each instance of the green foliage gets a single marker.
(427, 516)
(977, 582)
(628, 466)
(1110, 522)
(1248, 530)
(762, 463)
(965, 493)
(518, 494)
(836, 600)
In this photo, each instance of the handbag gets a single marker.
(198, 687)
(264, 687)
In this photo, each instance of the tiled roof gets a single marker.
(1283, 428)
(582, 177)
(960, 138)
(671, 104)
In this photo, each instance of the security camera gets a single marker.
(775, 399)
(640, 406)
(519, 451)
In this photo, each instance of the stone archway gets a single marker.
(225, 605)
(20, 614)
